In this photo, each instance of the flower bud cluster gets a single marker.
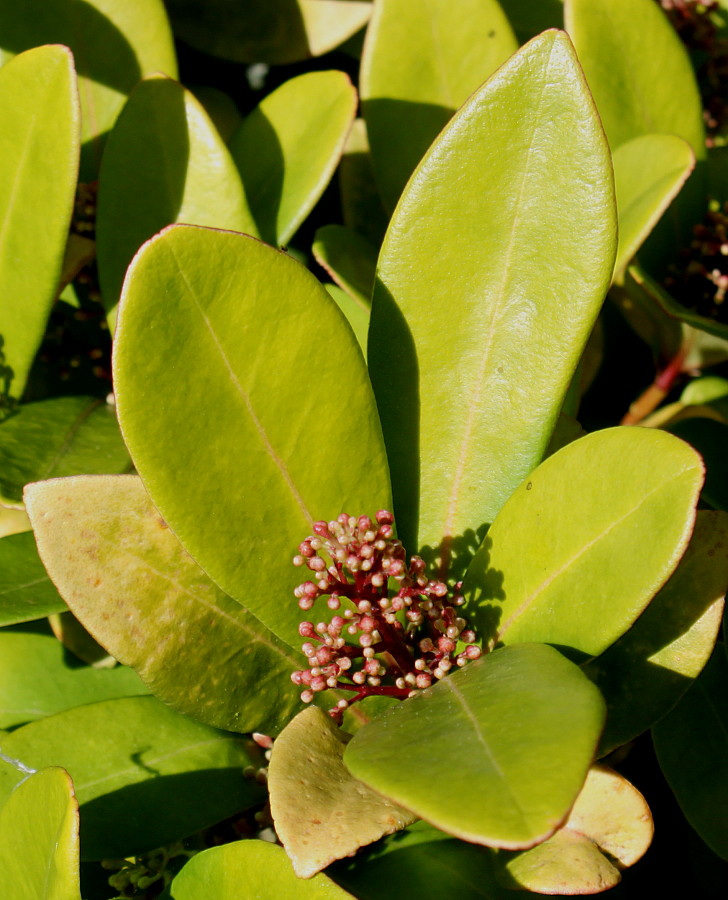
(700, 281)
(395, 631)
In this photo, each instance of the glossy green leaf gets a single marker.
(349, 259)
(361, 204)
(144, 775)
(515, 733)
(288, 148)
(38, 168)
(420, 862)
(546, 570)
(609, 828)
(127, 578)
(269, 31)
(249, 870)
(53, 438)
(648, 173)
(39, 839)
(509, 224)
(114, 45)
(164, 162)
(651, 666)
(420, 63)
(254, 442)
(692, 748)
(26, 591)
(221, 108)
(706, 389)
(320, 812)
(357, 315)
(638, 70)
(39, 678)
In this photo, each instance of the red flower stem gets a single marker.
(372, 691)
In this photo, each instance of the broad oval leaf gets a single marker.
(39, 678)
(565, 560)
(281, 431)
(691, 743)
(249, 870)
(320, 812)
(515, 733)
(38, 168)
(649, 668)
(164, 162)
(648, 173)
(127, 578)
(287, 149)
(39, 839)
(144, 775)
(420, 63)
(609, 828)
(26, 591)
(269, 31)
(491, 275)
(114, 45)
(57, 437)
(638, 70)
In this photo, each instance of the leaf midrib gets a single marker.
(530, 599)
(496, 302)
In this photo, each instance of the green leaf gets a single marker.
(357, 315)
(38, 169)
(420, 862)
(164, 162)
(651, 666)
(53, 438)
(648, 172)
(361, 204)
(39, 678)
(420, 63)
(349, 259)
(609, 828)
(510, 223)
(565, 561)
(268, 31)
(287, 149)
(39, 839)
(320, 812)
(638, 70)
(144, 775)
(114, 45)
(26, 591)
(691, 743)
(130, 582)
(254, 440)
(249, 870)
(515, 732)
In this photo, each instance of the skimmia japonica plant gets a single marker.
(421, 388)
